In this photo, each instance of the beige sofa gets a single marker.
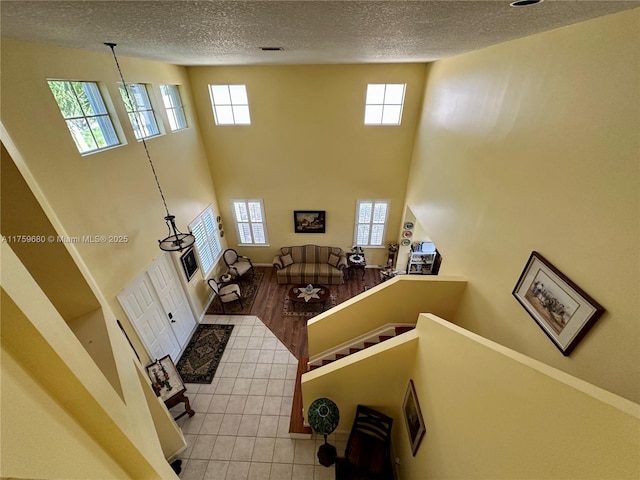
(310, 264)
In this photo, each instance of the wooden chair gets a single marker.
(237, 265)
(368, 452)
(226, 294)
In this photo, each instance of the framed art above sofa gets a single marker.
(309, 221)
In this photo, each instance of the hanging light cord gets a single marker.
(126, 90)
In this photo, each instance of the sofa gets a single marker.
(310, 264)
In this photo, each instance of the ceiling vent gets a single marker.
(525, 3)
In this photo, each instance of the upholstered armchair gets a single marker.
(368, 452)
(226, 294)
(238, 265)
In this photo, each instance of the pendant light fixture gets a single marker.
(176, 240)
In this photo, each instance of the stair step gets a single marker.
(354, 350)
(401, 330)
(326, 362)
(296, 422)
(340, 355)
(382, 338)
(313, 367)
(369, 344)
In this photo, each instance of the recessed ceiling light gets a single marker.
(271, 49)
(525, 3)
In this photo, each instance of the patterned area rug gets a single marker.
(305, 309)
(200, 359)
(248, 290)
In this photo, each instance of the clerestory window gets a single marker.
(86, 115)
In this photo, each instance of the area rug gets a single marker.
(248, 290)
(305, 309)
(200, 359)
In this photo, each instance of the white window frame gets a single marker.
(88, 122)
(378, 109)
(142, 117)
(234, 99)
(251, 224)
(174, 107)
(208, 244)
(371, 224)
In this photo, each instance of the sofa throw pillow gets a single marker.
(333, 260)
(286, 260)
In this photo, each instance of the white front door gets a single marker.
(157, 307)
(142, 306)
(164, 277)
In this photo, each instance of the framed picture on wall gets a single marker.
(562, 309)
(189, 264)
(309, 221)
(413, 418)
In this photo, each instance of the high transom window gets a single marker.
(250, 222)
(85, 113)
(384, 102)
(140, 111)
(173, 105)
(230, 104)
(371, 222)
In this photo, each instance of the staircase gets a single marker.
(367, 340)
(297, 427)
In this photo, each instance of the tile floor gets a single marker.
(241, 426)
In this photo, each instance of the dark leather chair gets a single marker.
(238, 265)
(368, 452)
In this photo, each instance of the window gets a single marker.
(230, 104)
(83, 109)
(250, 224)
(371, 222)
(384, 102)
(173, 105)
(140, 111)
(208, 246)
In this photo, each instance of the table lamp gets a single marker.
(323, 418)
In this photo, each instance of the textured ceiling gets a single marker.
(188, 32)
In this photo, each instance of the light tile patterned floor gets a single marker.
(241, 427)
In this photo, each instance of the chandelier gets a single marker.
(176, 240)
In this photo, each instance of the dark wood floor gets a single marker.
(292, 331)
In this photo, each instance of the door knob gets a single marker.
(171, 318)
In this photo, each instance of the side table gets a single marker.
(225, 279)
(356, 261)
(168, 385)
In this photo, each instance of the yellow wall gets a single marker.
(43, 346)
(489, 411)
(375, 377)
(534, 145)
(31, 419)
(493, 413)
(308, 149)
(399, 300)
(110, 192)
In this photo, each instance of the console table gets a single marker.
(168, 385)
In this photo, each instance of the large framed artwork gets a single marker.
(413, 418)
(563, 310)
(309, 221)
(189, 264)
